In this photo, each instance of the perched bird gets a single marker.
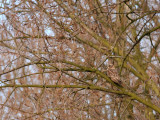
(113, 74)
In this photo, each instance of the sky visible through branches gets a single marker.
(80, 59)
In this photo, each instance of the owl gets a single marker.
(113, 74)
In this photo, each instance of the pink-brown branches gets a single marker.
(79, 59)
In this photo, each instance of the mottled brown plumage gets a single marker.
(113, 74)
